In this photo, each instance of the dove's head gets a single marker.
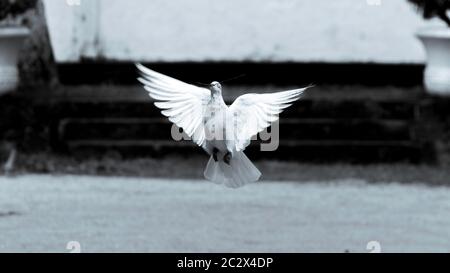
(216, 88)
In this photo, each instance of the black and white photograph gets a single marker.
(206, 126)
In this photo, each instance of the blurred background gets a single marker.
(73, 117)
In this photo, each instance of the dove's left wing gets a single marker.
(184, 104)
(252, 113)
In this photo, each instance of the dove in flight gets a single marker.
(222, 131)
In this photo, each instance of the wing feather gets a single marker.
(253, 113)
(182, 103)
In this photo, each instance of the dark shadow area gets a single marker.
(332, 123)
(371, 74)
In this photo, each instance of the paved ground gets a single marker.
(43, 213)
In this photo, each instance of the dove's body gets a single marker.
(222, 131)
(216, 125)
(235, 171)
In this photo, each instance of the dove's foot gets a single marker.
(227, 158)
(215, 151)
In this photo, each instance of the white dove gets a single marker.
(222, 131)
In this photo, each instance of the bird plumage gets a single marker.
(223, 132)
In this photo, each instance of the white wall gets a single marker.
(235, 30)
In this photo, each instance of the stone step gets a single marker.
(295, 150)
(329, 122)
(289, 129)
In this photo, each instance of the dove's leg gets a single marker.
(214, 154)
(227, 158)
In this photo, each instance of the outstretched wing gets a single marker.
(184, 104)
(252, 113)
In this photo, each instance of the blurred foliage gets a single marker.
(23, 124)
(37, 64)
(434, 8)
(13, 8)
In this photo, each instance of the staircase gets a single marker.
(331, 123)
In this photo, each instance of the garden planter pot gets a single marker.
(437, 72)
(11, 40)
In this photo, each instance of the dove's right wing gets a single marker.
(184, 104)
(252, 113)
